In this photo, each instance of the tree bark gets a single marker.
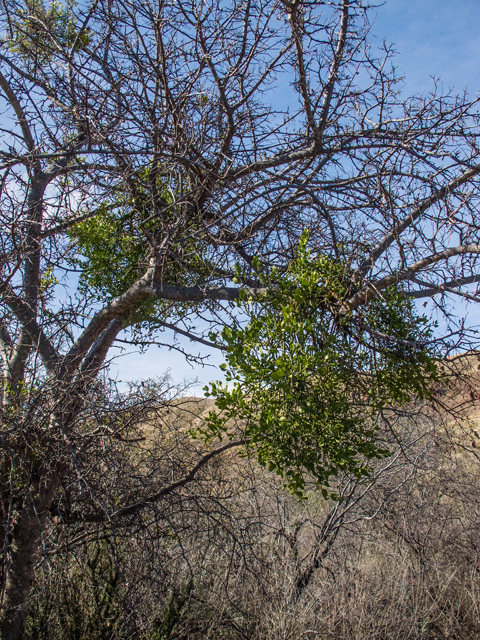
(22, 555)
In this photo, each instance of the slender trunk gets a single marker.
(21, 558)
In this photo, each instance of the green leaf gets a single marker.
(310, 380)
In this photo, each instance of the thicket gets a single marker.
(233, 556)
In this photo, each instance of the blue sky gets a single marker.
(438, 38)
(433, 38)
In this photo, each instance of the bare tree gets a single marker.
(186, 137)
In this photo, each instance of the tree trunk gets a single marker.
(21, 558)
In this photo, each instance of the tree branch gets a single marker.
(430, 289)
(342, 39)
(27, 318)
(372, 288)
(22, 120)
(138, 506)
(409, 220)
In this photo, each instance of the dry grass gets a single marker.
(222, 558)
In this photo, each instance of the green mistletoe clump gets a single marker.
(307, 378)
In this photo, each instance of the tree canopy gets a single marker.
(161, 161)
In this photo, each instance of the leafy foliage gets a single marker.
(85, 600)
(114, 244)
(109, 252)
(308, 378)
(38, 27)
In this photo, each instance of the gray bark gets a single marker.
(23, 553)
